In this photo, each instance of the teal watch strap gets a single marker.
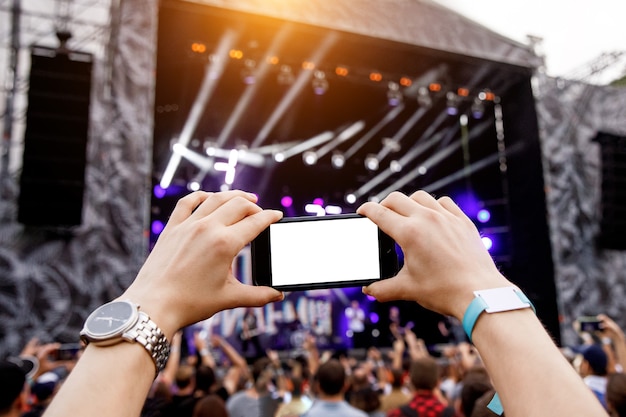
(474, 310)
(493, 301)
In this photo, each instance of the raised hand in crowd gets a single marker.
(611, 330)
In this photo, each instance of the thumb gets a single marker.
(255, 296)
(390, 289)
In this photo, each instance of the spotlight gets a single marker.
(463, 92)
(315, 209)
(159, 192)
(337, 160)
(483, 215)
(333, 209)
(279, 157)
(434, 87)
(374, 318)
(395, 166)
(286, 201)
(478, 108)
(341, 71)
(423, 97)
(247, 73)
(394, 96)
(198, 47)
(209, 148)
(309, 157)
(350, 198)
(235, 54)
(193, 185)
(487, 95)
(452, 103)
(376, 76)
(285, 76)
(319, 83)
(487, 242)
(157, 227)
(371, 162)
(391, 144)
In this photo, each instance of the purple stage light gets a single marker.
(286, 201)
(319, 201)
(157, 227)
(374, 318)
(158, 191)
(483, 215)
(487, 242)
(469, 203)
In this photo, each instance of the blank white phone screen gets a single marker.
(324, 251)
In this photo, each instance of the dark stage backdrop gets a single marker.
(212, 98)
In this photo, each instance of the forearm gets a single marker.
(619, 344)
(231, 353)
(527, 368)
(112, 380)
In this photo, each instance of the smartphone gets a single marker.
(67, 352)
(305, 253)
(589, 324)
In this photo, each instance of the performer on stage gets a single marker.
(356, 324)
(249, 334)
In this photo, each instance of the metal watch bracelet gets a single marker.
(150, 336)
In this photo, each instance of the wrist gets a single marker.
(466, 294)
(158, 312)
(494, 300)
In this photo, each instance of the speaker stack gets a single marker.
(613, 202)
(57, 123)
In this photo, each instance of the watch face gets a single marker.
(111, 319)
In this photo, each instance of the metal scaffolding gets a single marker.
(24, 23)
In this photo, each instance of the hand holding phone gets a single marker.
(303, 253)
(589, 324)
(66, 352)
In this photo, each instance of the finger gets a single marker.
(217, 200)
(400, 203)
(426, 199)
(235, 210)
(449, 204)
(250, 226)
(186, 205)
(390, 289)
(243, 295)
(384, 217)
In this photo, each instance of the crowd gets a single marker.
(214, 379)
(188, 278)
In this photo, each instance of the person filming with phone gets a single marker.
(188, 278)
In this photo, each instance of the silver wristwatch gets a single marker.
(120, 321)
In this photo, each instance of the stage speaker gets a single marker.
(613, 201)
(55, 141)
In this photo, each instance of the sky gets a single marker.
(574, 32)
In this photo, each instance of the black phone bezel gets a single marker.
(261, 258)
